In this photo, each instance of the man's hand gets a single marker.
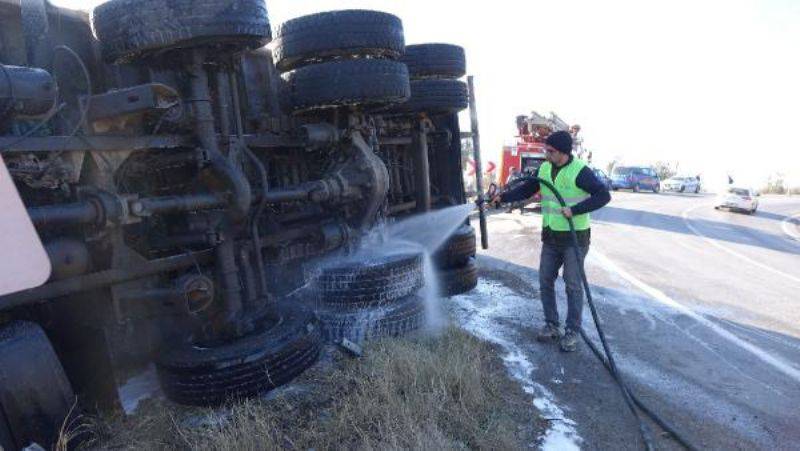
(567, 212)
(493, 195)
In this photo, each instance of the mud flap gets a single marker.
(25, 263)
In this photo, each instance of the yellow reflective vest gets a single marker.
(565, 183)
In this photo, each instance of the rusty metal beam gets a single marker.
(98, 143)
(101, 279)
(126, 143)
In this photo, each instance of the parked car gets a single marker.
(739, 199)
(601, 175)
(635, 178)
(681, 184)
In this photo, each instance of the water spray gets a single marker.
(417, 235)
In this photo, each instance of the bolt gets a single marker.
(137, 208)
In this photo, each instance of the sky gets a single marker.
(711, 84)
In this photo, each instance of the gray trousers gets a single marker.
(553, 258)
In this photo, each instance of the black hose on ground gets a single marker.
(608, 360)
(649, 412)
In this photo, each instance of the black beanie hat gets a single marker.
(561, 141)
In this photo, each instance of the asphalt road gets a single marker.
(701, 306)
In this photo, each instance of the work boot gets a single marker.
(549, 333)
(569, 342)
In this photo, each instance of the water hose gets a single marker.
(608, 359)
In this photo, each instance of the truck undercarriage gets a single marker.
(184, 179)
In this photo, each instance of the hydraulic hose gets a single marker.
(608, 360)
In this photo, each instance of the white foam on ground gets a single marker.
(138, 388)
(481, 313)
(774, 361)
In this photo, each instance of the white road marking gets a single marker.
(721, 356)
(791, 227)
(776, 362)
(763, 334)
(738, 255)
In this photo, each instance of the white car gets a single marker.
(742, 199)
(681, 184)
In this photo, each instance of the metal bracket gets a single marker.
(106, 110)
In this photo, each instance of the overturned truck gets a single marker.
(184, 168)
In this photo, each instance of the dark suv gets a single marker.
(635, 178)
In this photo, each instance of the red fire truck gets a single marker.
(527, 153)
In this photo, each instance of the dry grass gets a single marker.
(448, 392)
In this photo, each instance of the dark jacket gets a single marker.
(525, 187)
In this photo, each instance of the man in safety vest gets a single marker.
(583, 193)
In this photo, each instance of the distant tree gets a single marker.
(776, 184)
(665, 170)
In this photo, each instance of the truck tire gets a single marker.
(457, 250)
(435, 61)
(347, 83)
(35, 395)
(333, 34)
(6, 439)
(372, 324)
(210, 376)
(129, 29)
(357, 285)
(459, 280)
(434, 97)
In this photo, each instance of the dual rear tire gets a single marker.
(435, 89)
(198, 375)
(456, 264)
(368, 299)
(357, 58)
(342, 59)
